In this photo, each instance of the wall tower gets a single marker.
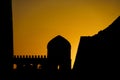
(6, 51)
(59, 58)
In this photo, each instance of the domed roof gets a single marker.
(58, 41)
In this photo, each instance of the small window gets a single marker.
(24, 65)
(58, 67)
(14, 66)
(39, 66)
(31, 65)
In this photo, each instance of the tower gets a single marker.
(59, 50)
(98, 55)
(6, 50)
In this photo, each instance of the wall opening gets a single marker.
(14, 66)
(58, 67)
(39, 66)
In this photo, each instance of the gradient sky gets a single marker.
(36, 22)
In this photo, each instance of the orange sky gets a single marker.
(36, 22)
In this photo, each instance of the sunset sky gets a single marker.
(36, 22)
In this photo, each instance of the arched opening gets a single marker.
(39, 66)
(58, 67)
(31, 65)
(23, 65)
(14, 66)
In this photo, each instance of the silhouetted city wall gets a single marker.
(56, 66)
(98, 55)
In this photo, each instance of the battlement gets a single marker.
(30, 56)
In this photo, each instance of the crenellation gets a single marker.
(17, 56)
(41, 56)
(35, 56)
(38, 56)
(24, 56)
(45, 56)
(97, 56)
(27, 56)
(21, 56)
(30, 56)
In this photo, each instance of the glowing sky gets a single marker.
(36, 22)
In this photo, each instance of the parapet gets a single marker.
(30, 56)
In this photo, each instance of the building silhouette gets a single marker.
(97, 56)
(57, 64)
(29, 62)
(59, 51)
(6, 49)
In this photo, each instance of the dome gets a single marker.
(58, 41)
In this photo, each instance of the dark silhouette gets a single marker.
(59, 59)
(98, 55)
(29, 62)
(59, 54)
(97, 58)
(6, 49)
(30, 67)
(57, 64)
